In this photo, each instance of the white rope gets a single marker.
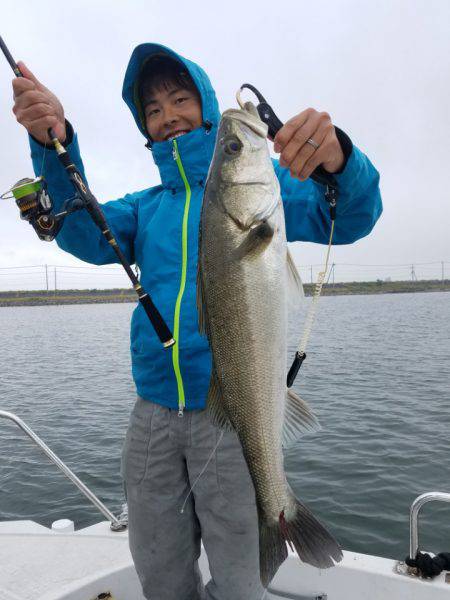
(309, 321)
(201, 472)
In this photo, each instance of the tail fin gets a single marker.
(312, 542)
(304, 533)
(272, 550)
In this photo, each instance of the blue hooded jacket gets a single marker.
(157, 228)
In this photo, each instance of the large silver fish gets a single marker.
(242, 290)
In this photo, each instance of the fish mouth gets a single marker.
(175, 134)
(248, 119)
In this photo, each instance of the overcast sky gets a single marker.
(381, 69)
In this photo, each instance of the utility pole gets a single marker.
(442, 271)
(413, 274)
(311, 275)
(330, 272)
(46, 277)
(55, 282)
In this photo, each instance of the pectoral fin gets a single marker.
(256, 240)
(298, 419)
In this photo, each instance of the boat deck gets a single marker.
(37, 563)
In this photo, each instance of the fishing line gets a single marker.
(201, 472)
(43, 158)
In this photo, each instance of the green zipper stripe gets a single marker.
(176, 323)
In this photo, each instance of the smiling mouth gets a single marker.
(175, 134)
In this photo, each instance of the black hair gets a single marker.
(161, 72)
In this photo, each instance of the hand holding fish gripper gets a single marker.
(35, 207)
(321, 176)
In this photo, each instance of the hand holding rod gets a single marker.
(93, 207)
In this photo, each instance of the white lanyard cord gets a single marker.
(309, 321)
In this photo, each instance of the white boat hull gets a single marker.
(37, 563)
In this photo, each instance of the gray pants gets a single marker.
(162, 457)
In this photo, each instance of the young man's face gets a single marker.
(171, 111)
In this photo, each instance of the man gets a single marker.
(170, 438)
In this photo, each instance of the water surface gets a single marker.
(377, 376)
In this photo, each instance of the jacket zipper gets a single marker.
(184, 248)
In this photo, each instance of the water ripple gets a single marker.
(377, 375)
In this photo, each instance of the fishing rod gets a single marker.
(35, 206)
(319, 175)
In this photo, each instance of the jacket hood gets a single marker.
(210, 107)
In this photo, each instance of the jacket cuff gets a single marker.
(67, 141)
(346, 145)
(46, 163)
(356, 177)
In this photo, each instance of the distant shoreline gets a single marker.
(42, 298)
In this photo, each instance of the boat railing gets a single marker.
(116, 524)
(418, 503)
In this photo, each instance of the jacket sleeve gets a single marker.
(79, 235)
(307, 212)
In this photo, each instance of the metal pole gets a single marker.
(63, 467)
(46, 277)
(311, 275)
(55, 282)
(414, 517)
(442, 271)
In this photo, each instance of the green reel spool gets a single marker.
(35, 206)
(31, 197)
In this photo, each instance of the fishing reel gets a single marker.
(35, 205)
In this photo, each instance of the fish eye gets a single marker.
(231, 144)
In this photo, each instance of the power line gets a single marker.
(119, 268)
(54, 277)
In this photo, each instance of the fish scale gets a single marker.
(242, 297)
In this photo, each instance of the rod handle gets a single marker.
(159, 325)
